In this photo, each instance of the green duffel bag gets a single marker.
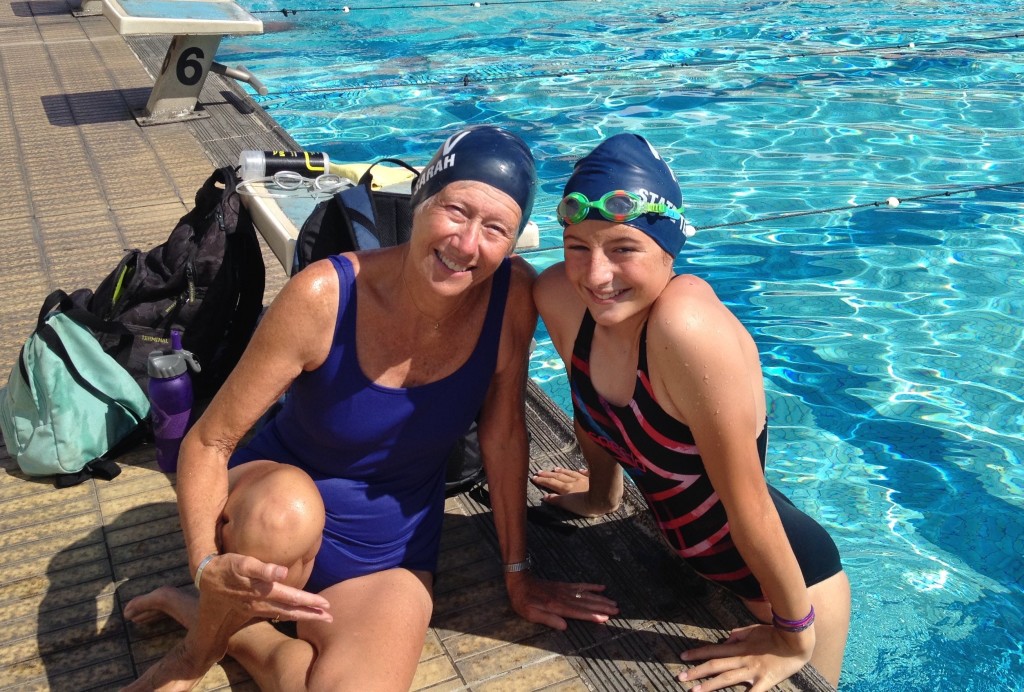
(69, 408)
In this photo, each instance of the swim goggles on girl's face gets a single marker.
(618, 206)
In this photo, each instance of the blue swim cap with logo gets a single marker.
(485, 154)
(629, 162)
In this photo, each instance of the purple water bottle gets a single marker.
(170, 398)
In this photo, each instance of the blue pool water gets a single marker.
(891, 337)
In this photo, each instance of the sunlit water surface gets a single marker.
(891, 337)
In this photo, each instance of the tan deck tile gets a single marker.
(153, 554)
(80, 522)
(453, 685)
(431, 646)
(86, 664)
(458, 532)
(153, 504)
(458, 577)
(25, 503)
(40, 488)
(145, 531)
(14, 556)
(572, 685)
(21, 263)
(18, 249)
(490, 593)
(539, 676)
(470, 620)
(52, 635)
(98, 610)
(39, 509)
(468, 554)
(147, 227)
(93, 575)
(173, 556)
(14, 199)
(433, 672)
(509, 658)
(68, 557)
(136, 484)
(509, 629)
(137, 466)
(42, 601)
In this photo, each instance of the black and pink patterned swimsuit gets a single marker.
(659, 454)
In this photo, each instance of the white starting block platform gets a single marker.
(197, 27)
(278, 220)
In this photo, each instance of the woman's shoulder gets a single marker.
(523, 273)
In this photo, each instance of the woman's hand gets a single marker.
(253, 588)
(759, 655)
(550, 602)
(569, 490)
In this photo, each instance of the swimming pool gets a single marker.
(891, 336)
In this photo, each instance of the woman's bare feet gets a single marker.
(177, 670)
(163, 601)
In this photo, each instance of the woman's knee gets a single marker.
(274, 512)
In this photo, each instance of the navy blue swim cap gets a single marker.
(629, 162)
(485, 154)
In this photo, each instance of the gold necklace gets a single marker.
(437, 320)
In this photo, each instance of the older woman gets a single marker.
(666, 384)
(331, 515)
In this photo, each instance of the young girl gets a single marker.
(667, 384)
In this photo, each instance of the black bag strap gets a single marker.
(60, 299)
(103, 466)
(367, 175)
(80, 315)
(52, 340)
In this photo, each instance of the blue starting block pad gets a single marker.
(189, 17)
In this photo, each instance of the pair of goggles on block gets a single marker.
(619, 206)
(284, 184)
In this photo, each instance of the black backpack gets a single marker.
(207, 279)
(360, 218)
(357, 218)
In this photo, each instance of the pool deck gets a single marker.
(85, 182)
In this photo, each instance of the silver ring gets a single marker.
(276, 620)
(579, 594)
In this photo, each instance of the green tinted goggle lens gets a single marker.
(618, 206)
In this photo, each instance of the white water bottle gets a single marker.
(261, 164)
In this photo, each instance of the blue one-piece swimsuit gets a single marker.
(377, 454)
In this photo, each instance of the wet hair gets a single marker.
(485, 154)
(629, 162)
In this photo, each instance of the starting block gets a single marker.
(197, 27)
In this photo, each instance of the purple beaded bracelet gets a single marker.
(793, 625)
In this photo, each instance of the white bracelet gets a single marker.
(202, 565)
(523, 566)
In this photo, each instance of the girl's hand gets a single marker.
(568, 490)
(760, 656)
